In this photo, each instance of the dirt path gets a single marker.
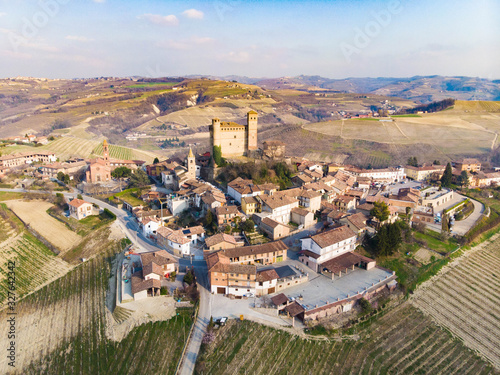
(35, 214)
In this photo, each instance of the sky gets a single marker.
(334, 39)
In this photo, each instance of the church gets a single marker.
(99, 170)
(235, 139)
(176, 174)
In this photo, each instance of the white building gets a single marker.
(384, 174)
(327, 245)
(279, 207)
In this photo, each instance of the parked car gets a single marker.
(249, 295)
(221, 321)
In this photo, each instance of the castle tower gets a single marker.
(105, 151)
(252, 130)
(191, 164)
(215, 136)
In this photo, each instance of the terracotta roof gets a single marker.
(267, 275)
(277, 201)
(160, 257)
(294, 309)
(218, 238)
(309, 253)
(358, 220)
(77, 202)
(300, 211)
(310, 194)
(139, 284)
(279, 299)
(333, 236)
(336, 214)
(152, 268)
(344, 261)
(271, 223)
(249, 200)
(254, 250)
(227, 210)
(365, 206)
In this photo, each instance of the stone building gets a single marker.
(235, 139)
(273, 149)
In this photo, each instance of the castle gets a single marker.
(235, 139)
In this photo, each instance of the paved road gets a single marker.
(201, 324)
(461, 227)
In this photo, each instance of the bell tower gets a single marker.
(191, 164)
(105, 151)
(252, 130)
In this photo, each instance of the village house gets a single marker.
(180, 241)
(468, 164)
(70, 168)
(327, 245)
(424, 172)
(230, 278)
(344, 203)
(249, 205)
(264, 254)
(266, 282)
(482, 179)
(9, 162)
(382, 175)
(310, 200)
(302, 217)
(278, 207)
(274, 229)
(155, 267)
(221, 241)
(79, 209)
(357, 223)
(149, 226)
(240, 188)
(226, 215)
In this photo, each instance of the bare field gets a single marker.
(464, 298)
(34, 213)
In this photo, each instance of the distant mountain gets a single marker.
(423, 89)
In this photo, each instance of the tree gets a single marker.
(218, 155)
(380, 210)
(412, 161)
(436, 162)
(464, 179)
(121, 172)
(247, 226)
(447, 175)
(60, 176)
(79, 196)
(445, 224)
(209, 218)
(138, 179)
(156, 161)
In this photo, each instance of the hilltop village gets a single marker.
(302, 245)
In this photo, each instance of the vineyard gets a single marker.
(404, 340)
(62, 329)
(465, 299)
(125, 153)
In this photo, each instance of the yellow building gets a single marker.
(249, 205)
(235, 139)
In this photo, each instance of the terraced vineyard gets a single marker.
(67, 147)
(465, 299)
(404, 341)
(61, 329)
(125, 153)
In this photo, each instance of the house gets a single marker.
(221, 241)
(70, 168)
(279, 206)
(344, 203)
(383, 174)
(264, 254)
(149, 226)
(226, 214)
(230, 278)
(468, 164)
(8, 162)
(266, 282)
(310, 200)
(162, 259)
(357, 223)
(302, 217)
(79, 209)
(274, 229)
(180, 241)
(142, 288)
(486, 179)
(240, 188)
(273, 149)
(249, 205)
(423, 172)
(324, 246)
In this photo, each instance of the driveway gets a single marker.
(461, 227)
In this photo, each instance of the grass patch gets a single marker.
(433, 241)
(7, 195)
(131, 197)
(409, 115)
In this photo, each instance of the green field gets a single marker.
(402, 341)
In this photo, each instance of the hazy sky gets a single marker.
(336, 39)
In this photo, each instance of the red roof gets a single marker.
(77, 202)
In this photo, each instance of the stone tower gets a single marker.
(105, 151)
(191, 164)
(215, 137)
(252, 130)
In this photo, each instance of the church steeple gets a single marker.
(191, 164)
(105, 151)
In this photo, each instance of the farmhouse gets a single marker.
(265, 254)
(79, 209)
(226, 214)
(8, 162)
(274, 229)
(423, 172)
(221, 241)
